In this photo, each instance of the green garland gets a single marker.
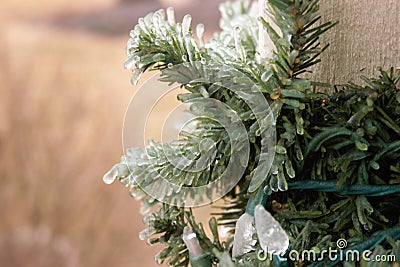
(336, 172)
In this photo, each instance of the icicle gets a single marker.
(299, 124)
(274, 168)
(171, 16)
(110, 176)
(273, 183)
(238, 44)
(136, 74)
(142, 25)
(135, 193)
(178, 27)
(148, 219)
(171, 190)
(133, 152)
(189, 47)
(156, 21)
(158, 258)
(148, 18)
(192, 243)
(146, 233)
(118, 170)
(187, 19)
(131, 45)
(282, 184)
(243, 241)
(200, 34)
(289, 168)
(161, 14)
(271, 236)
(145, 208)
(130, 62)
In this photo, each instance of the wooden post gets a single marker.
(367, 36)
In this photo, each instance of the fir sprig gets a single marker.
(331, 151)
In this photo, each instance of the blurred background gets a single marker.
(63, 94)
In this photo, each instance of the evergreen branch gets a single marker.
(347, 166)
(157, 42)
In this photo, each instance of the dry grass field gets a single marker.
(63, 93)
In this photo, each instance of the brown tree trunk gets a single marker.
(367, 36)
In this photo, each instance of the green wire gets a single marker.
(359, 189)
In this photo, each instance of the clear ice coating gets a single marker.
(110, 176)
(187, 20)
(136, 74)
(243, 241)
(130, 62)
(146, 233)
(238, 44)
(118, 170)
(171, 16)
(271, 236)
(200, 34)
